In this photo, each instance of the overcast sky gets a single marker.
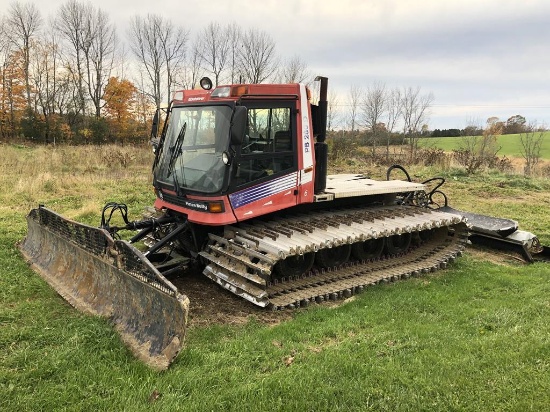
(479, 58)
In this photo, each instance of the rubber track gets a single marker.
(242, 260)
(349, 279)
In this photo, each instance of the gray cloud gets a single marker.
(478, 58)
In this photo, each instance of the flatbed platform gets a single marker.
(351, 185)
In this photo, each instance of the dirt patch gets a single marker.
(212, 304)
(495, 256)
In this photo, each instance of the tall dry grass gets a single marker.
(78, 178)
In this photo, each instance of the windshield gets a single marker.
(191, 156)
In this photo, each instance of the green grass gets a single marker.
(476, 337)
(510, 145)
(473, 337)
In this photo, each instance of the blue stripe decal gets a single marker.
(260, 191)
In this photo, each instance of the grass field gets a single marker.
(510, 145)
(473, 337)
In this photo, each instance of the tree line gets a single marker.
(516, 124)
(381, 116)
(70, 77)
(67, 77)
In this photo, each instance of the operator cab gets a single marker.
(217, 142)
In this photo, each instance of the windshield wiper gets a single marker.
(176, 149)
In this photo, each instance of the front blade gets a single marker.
(104, 277)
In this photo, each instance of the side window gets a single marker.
(282, 139)
(267, 149)
(268, 130)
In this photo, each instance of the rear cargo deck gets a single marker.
(351, 185)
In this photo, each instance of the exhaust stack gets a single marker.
(321, 148)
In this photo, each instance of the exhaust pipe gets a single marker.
(321, 148)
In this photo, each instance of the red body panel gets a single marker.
(204, 218)
(276, 194)
(266, 205)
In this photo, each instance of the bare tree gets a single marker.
(373, 108)
(332, 113)
(23, 23)
(189, 77)
(44, 69)
(414, 113)
(373, 105)
(234, 33)
(147, 48)
(7, 125)
(174, 40)
(4, 40)
(295, 70)
(98, 48)
(214, 47)
(257, 57)
(121, 61)
(71, 24)
(473, 127)
(531, 144)
(394, 108)
(143, 100)
(159, 48)
(64, 93)
(355, 93)
(50, 78)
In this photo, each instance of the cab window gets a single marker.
(268, 147)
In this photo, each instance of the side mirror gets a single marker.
(238, 125)
(154, 130)
(155, 126)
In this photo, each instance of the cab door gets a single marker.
(265, 178)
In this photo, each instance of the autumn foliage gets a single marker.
(12, 94)
(120, 107)
(56, 83)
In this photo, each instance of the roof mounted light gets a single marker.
(206, 83)
(237, 91)
(223, 91)
(230, 91)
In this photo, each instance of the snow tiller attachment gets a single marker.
(110, 278)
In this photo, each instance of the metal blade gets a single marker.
(109, 278)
